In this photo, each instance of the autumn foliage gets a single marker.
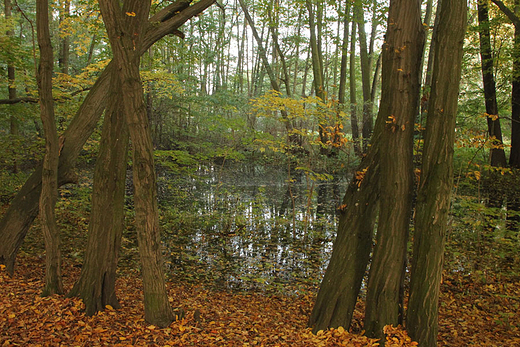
(472, 313)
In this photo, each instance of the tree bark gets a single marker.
(353, 94)
(317, 69)
(49, 193)
(340, 286)
(365, 76)
(497, 155)
(124, 27)
(65, 41)
(402, 54)
(14, 128)
(24, 208)
(96, 284)
(436, 183)
(514, 157)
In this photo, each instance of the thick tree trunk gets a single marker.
(340, 286)
(24, 208)
(49, 193)
(124, 32)
(402, 54)
(96, 284)
(433, 198)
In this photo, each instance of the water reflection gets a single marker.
(247, 227)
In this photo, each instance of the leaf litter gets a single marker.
(471, 313)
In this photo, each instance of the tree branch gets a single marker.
(510, 14)
(32, 100)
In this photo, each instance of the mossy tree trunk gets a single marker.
(434, 194)
(49, 193)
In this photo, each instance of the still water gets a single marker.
(248, 227)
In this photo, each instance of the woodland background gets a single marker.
(225, 107)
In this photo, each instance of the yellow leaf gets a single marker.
(11, 316)
(130, 14)
(151, 327)
(109, 307)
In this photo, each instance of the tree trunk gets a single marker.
(14, 128)
(317, 69)
(402, 54)
(498, 157)
(96, 284)
(24, 208)
(353, 94)
(124, 32)
(365, 77)
(263, 56)
(340, 286)
(65, 41)
(514, 157)
(49, 193)
(434, 194)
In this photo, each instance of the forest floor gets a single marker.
(481, 311)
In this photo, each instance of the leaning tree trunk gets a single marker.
(402, 54)
(124, 33)
(96, 284)
(49, 193)
(340, 286)
(433, 197)
(24, 208)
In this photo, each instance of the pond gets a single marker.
(248, 227)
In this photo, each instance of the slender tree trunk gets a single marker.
(402, 53)
(265, 61)
(498, 157)
(353, 94)
(14, 128)
(96, 284)
(65, 41)
(344, 56)
(49, 193)
(317, 69)
(365, 77)
(433, 198)
(24, 208)
(514, 157)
